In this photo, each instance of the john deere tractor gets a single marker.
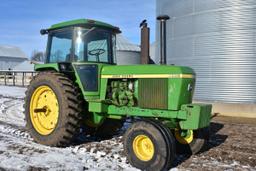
(80, 86)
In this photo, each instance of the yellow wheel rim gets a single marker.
(184, 139)
(143, 147)
(44, 110)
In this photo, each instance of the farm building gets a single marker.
(10, 56)
(126, 52)
(152, 52)
(217, 39)
(24, 66)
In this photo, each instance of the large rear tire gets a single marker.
(147, 146)
(53, 109)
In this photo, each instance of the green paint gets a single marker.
(86, 23)
(94, 119)
(136, 88)
(145, 69)
(43, 67)
(138, 112)
(103, 88)
(98, 118)
(114, 117)
(97, 106)
(198, 116)
(178, 93)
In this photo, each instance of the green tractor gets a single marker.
(80, 85)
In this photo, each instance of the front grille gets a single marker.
(153, 93)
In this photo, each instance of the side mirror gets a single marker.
(43, 32)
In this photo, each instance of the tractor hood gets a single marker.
(146, 71)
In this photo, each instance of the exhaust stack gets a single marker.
(145, 33)
(163, 19)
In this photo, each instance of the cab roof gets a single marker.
(84, 22)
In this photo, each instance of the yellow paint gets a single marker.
(44, 98)
(143, 147)
(184, 140)
(149, 76)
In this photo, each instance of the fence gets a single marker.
(16, 78)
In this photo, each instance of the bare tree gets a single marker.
(38, 56)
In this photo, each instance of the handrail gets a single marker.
(16, 78)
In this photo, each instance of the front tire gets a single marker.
(53, 109)
(147, 146)
(192, 143)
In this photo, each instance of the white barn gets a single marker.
(11, 56)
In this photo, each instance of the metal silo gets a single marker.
(217, 38)
(126, 52)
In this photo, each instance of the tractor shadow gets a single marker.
(215, 140)
(82, 138)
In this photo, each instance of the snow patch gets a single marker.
(9, 91)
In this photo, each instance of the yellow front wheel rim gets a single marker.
(187, 139)
(143, 147)
(44, 110)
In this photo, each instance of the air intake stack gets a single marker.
(163, 19)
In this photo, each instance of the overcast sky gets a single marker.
(21, 20)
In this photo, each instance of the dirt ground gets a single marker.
(232, 146)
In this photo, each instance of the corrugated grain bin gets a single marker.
(126, 52)
(218, 39)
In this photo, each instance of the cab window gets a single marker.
(60, 46)
(94, 45)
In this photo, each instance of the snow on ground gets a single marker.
(19, 152)
(16, 92)
(11, 110)
(228, 149)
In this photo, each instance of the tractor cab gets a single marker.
(81, 41)
(80, 48)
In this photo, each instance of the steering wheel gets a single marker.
(96, 52)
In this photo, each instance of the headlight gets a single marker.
(190, 87)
